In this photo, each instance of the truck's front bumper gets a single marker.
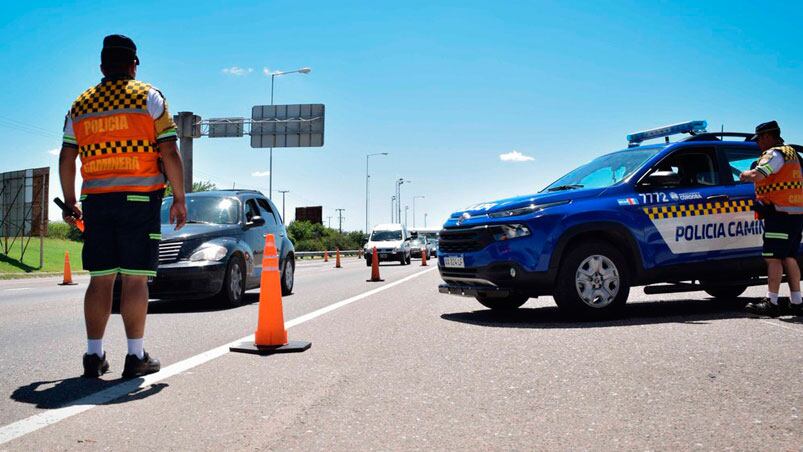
(499, 279)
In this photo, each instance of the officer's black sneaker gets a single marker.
(95, 366)
(135, 367)
(796, 309)
(764, 308)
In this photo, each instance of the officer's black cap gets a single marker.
(765, 127)
(118, 49)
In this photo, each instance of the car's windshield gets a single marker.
(604, 171)
(418, 241)
(383, 236)
(206, 209)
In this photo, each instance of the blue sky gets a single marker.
(445, 87)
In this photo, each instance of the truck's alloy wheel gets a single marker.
(593, 280)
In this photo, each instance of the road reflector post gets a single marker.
(337, 258)
(375, 267)
(271, 335)
(423, 257)
(67, 281)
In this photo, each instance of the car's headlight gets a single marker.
(525, 210)
(510, 231)
(209, 252)
(397, 250)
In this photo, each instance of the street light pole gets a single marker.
(414, 198)
(303, 70)
(406, 209)
(425, 220)
(398, 195)
(340, 220)
(288, 191)
(368, 189)
(392, 207)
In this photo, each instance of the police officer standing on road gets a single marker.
(779, 201)
(126, 139)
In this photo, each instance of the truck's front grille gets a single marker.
(169, 252)
(464, 240)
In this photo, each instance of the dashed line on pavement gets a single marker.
(39, 421)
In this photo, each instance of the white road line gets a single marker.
(50, 417)
(786, 327)
(17, 289)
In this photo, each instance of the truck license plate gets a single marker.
(453, 262)
(383, 256)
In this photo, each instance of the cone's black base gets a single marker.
(68, 284)
(290, 347)
(371, 280)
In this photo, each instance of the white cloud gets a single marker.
(55, 151)
(237, 71)
(514, 156)
(261, 173)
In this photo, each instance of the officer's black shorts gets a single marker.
(122, 233)
(782, 235)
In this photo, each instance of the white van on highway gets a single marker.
(392, 242)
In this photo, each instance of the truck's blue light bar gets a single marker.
(692, 127)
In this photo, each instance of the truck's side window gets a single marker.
(269, 216)
(695, 168)
(738, 160)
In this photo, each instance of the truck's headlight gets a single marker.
(510, 231)
(209, 252)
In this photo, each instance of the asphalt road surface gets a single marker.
(398, 366)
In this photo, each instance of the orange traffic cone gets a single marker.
(67, 281)
(375, 267)
(423, 257)
(337, 258)
(270, 336)
(325, 256)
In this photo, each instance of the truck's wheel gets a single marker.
(726, 293)
(593, 281)
(508, 303)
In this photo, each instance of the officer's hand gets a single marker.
(178, 214)
(76, 213)
(747, 176)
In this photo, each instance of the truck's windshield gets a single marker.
(604, 171)
(384, 236)
(206, 209)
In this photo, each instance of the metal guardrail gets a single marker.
(316, 254)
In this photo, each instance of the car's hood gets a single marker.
(526, 200)
(197, 231)
(385, 244)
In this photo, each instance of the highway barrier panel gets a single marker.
(67, 281)
(271, 335)
(375, 267)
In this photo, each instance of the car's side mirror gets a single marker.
(256, 220)
(662, 179)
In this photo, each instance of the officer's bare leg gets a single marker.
(792, 273)
(98, 305)
(134, 305)
(774, 274)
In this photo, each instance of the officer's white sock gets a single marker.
(94, 346)
(135, 347)
(795, 298)
(773, 298)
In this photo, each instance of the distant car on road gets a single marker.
(392, 242)
(219, 252)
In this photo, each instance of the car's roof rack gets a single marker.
(719, 136)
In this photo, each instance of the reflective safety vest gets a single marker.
(116, 138)
(784, 188)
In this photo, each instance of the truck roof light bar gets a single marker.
(690, 127)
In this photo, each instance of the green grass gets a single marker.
(53, 252)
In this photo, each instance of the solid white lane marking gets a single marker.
(18, 289)
(50, 417)
(786, 327)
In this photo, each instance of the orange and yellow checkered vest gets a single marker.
(783, 189)
(116, 138)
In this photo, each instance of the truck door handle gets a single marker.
(717, 198)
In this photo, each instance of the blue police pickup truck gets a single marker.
(670, 216)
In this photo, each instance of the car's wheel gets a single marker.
(502, 304)
(231, 294)
(288, 275)
(403, 260)
(726, 293)
(593, 281)
(409, 258)
(367, 262)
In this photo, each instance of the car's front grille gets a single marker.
(464, 240)
(169, 252)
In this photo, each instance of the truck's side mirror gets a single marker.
(662, 179)
(256, 220)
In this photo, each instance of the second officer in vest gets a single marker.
(779, 201)
(124, 135)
